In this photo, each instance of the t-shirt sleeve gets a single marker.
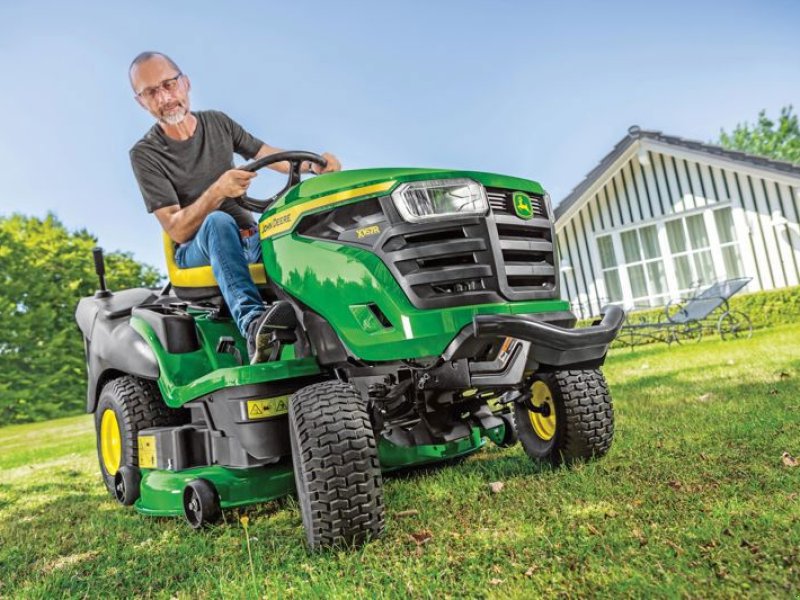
(157, 190)
(244, 143)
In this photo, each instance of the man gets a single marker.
(184, 167)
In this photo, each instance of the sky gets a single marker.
(541, 90)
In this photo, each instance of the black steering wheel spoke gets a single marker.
(295, 168)
(295, 158)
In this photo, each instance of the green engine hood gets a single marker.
(332, 183)
(344, 282)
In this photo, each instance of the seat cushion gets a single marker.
(200, 277)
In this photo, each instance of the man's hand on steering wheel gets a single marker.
(333, 164)
(297, 160)
(232, 183)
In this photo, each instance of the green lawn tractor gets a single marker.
(428, 321)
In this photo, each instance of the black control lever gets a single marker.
(100, 269)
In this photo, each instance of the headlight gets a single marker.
(439, 199)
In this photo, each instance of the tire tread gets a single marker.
(339, 465)
(589, 413)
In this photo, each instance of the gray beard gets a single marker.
(174, 119)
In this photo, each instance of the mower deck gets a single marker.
(162, 490)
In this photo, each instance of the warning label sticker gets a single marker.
(267, 407)
(147, 452)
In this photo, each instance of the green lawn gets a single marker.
(693, 500)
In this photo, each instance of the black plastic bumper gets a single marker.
(554, 345)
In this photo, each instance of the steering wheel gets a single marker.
(295, 159)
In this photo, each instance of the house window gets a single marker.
(635, 261)
(608, 260)
(727, 241)
(644, 266)
(691, 252)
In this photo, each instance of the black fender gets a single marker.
(112, 346)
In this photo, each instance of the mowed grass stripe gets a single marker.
(692, 500)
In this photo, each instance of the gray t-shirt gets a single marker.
(177, 172)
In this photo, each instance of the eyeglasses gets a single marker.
(168, 85)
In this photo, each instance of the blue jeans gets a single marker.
(218, 243)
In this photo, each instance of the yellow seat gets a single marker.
(198, 278)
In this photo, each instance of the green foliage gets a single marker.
(44, 270)
(765, 309)
(779, 140)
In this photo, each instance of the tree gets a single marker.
(44, 271)
(779, 140)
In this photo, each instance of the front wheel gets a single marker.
(336, 466)
(569, 416)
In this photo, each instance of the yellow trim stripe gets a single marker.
(285, 219)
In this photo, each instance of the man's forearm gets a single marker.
(183, 224)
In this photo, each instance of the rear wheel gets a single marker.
(569, 417)
(125, 407)
(336, 467)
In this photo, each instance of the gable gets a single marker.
(667, 175)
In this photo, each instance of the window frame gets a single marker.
(667, 257)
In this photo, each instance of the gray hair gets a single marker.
(147, 55)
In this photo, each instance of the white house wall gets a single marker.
(669, 182)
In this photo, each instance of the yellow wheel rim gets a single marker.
(110, 442)
(543, 423)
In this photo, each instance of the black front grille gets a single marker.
(502, 203)
(526, 247)
(442, 264)
(528, 258)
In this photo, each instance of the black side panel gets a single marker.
(174, 327)
(326, 344)
(181, 447)
(110, 342)
(227, 411)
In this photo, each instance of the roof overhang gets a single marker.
(640, 142)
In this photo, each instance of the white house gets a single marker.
(661, 213)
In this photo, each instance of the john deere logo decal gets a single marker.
(522, 206)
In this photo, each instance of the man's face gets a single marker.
(159, 92)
